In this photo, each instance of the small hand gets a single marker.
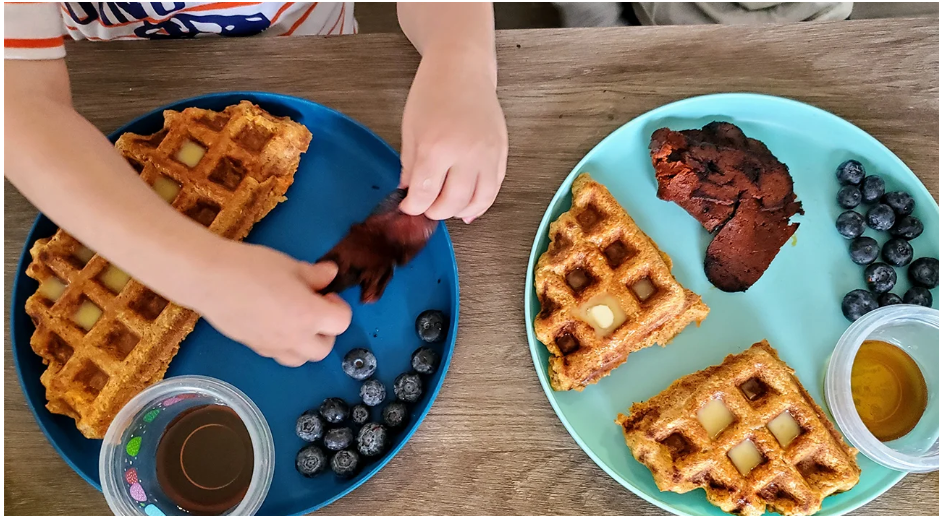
(269, 302)
(454, 138)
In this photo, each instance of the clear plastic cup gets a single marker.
(915, 330)
(126, 465)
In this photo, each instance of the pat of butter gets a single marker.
(166, 188)
(602, 315)
(784, 428)
(84, 254)
(86, 315)
(114, 278)
(52, 288)
(714, 416)
(745, 456)
(190, 153)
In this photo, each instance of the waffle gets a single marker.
(665, 435)
(598, 254)
(105, 337)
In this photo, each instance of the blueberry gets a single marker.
(432, 326)
(310, 461)
(359, 364)
(880, 277)
(924, 272)
(888, 299)
(345, 463)
(338, 439)
(334, 410)
(394, 414)
(850, 224)
(309, 426)
(850, 172)
(857, 303)
(360, 414)
(907, 227)
(901, 202)
(872, 188)
(918, 295)
(373, 439)
(864, 250)
(897, 252)
(425, 360)
(880, 217)
(848, 196)
(407, 387)
(373, 392)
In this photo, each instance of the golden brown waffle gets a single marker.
(248, 162)
(665, 434)
(597, 253)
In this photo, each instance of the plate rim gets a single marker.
(253, 96)
(563, 190)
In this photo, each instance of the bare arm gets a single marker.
(454, 137)
(462, 30)
(70, 171)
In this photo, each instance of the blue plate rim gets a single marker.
(274, 98)
(563, 190)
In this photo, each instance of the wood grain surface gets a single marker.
(492, 444)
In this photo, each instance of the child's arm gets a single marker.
(454, 139)
(68, 169)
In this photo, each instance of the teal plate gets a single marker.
(795, 305)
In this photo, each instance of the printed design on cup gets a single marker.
(176, 399)
(131, 476)
(137, 492)
(133, 446)
(150, 416)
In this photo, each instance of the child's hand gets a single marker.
(269, 302)
(454, 138)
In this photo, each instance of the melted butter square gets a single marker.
(603, 313)
(784, 428)
(714, 416)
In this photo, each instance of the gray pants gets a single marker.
(609, 14)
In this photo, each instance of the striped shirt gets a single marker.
(36, 30)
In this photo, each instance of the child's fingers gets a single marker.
(456, 194)
(424, 183)
(318, 275)
(333, 316)
(484, 195)
(290, 359)
(408, 162)
(318, 349)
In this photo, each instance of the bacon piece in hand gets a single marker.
(371, 249)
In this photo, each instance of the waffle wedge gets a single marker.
(104, 336)
(771, 448)
(598, 258)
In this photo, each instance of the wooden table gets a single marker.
(491, 444)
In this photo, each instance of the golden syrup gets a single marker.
(889, 390)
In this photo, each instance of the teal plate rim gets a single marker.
(564, 190)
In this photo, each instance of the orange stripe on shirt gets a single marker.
(277, 15)
(339, 18)
(38, 43)
(200, 7)
(123, 37)
(300, 20)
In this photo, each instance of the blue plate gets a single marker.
(795, 304)
(344, 174)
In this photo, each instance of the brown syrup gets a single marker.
(205, 460)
